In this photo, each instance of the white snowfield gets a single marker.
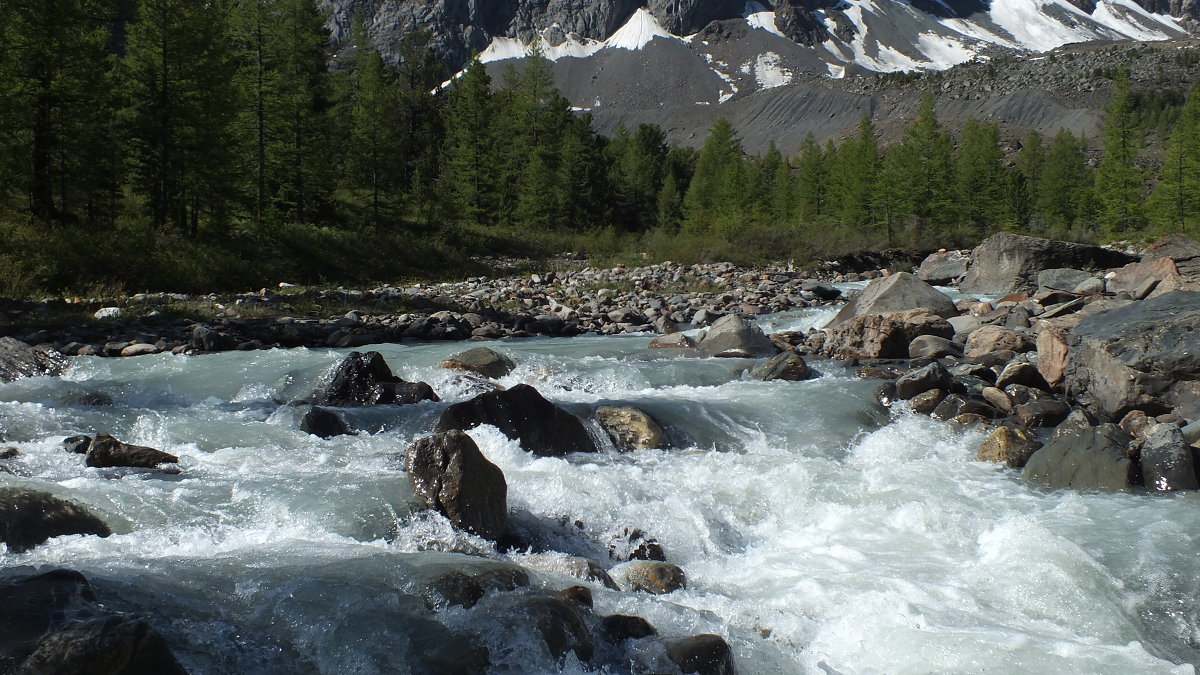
(888, 36)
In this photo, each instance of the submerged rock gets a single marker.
(649, 576)
(482, 360)
(630, 428)
(620, 627)
(324, 423)
(704, 654)
(449, 473)
(30, 517)
(466, 586)
(522, 414)
(52, 623)
(1092, 459)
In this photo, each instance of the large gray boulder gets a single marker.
(895, 293)
(18, 360)
(522, 414)
(1181, 249)
(449, 473)
(734, 335)
(1006, 262)
(1142, 356)
(30, 517)
(1091, 459)
(52, 623)
(363, 379)
(943, 267)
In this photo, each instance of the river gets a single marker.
(820, 533)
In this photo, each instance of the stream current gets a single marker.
(820, 533)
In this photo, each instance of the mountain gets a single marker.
(800, 66)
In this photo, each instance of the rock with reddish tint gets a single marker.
(106, 451)
(451, 476)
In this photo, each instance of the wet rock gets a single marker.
(1041, 413)
(77, 444)
(896, 293)
(672, 341)
(733, 335)
(323, 422)
(1145, 356)
(18, 360)
(1091, 459)
(465, 587)
(580, 596)
(208, 340)
(106, 451)
(702, 654)
(932, 346)
(363, 379)
(449, 473)
(932, 376)
(784, 366)
(633, 544)
(30, 517)
(52, 623)
(521, 413)
(650, 576)
(486, 362)
(1167, 460)
(561, 625)
(9, 453)
(1008, 445)
(954, 405)
(1006, 262)
(620, 627)
(630, 428)
(882, 336)
(927, 401)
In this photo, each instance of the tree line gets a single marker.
(225, 142)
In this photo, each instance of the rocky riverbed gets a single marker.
(1071, 368)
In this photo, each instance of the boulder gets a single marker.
(324, 422)
(702, 654)
(1090, 459)
(18, 360)
(882, 336)
(52, 623)
(1006, 262)
(1183, 251)
(30, 517)
(1053, 348)
(1139, 279)
(926, 402)
(630, 428)
(934, 347)
(468, 583)
(77, 444)
(521, 413)
(988, 339)
(920, 380)
(943, 267)
(733, 335)
(955, 405)
(672, 341)
(1041, 413)
(783, 366)
(106, 451)
(1061, 279)
(896, 293)
(449, 473)
(1023, 373)
(649, 576)
(560, 624)
(1009, 446)
(1144, 356)
(209, 340)
(620, 627)
(365, 379)
(1167, 461)
(486, 362)
(821, 290)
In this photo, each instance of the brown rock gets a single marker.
(673, 341)
(996, 338)
(875, 336)
(1008, 445)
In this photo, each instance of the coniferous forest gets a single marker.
(213, 145)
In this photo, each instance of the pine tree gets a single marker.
(924, 169)
(980, 177)
(1063, 183)
(854, 173)
(711, 195)
(1022, 182)
(181, 109)
(468, 115)
(57, 107)
(812, 169)
(1118, 181)
(374, 147)
(1175, 201)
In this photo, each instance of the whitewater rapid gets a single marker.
(820, 533)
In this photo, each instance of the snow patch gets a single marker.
(641, 28)
(761, 18)
(769, 73)
(943, 52)
(836, 72)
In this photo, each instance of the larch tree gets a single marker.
(1119, 183)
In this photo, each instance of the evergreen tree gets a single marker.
(374, 146)
(980, 177)
(637, 163)
(468, 114)
(812, 180)
(1063, 183)
(1023, 181)
(1118, 181)
(712, 196)
(181, 109)
(1175, 201)
(853, 178)
(924, 170)
(57, 109)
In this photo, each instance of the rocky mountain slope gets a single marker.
(810, 66)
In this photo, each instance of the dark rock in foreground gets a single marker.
(363, 379)
(30, 517)
(52, 623)
(18, 360)
(106, 451)
(522, 414)
(1093, 459)
(449, 473)
(705, 654)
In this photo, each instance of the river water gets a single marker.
(820, 533)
